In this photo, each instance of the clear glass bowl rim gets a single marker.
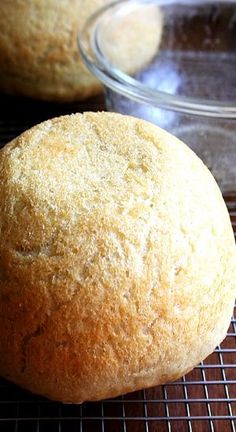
(124, 84)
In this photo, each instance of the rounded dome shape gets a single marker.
(39, 56)
(117, 258)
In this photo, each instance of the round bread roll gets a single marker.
(117, 258)
(39, 55)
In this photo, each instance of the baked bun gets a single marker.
(117, 258)
(39, 55)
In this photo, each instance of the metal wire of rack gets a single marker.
(202, 401)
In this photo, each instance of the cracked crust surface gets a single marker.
(117, 258)
(39, 54)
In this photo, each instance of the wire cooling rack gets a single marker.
(202, 401)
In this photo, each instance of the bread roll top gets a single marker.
(117, 258)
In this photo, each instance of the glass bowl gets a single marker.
(172, 63)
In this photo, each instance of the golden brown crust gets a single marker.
(39, 55)
(117, 258)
